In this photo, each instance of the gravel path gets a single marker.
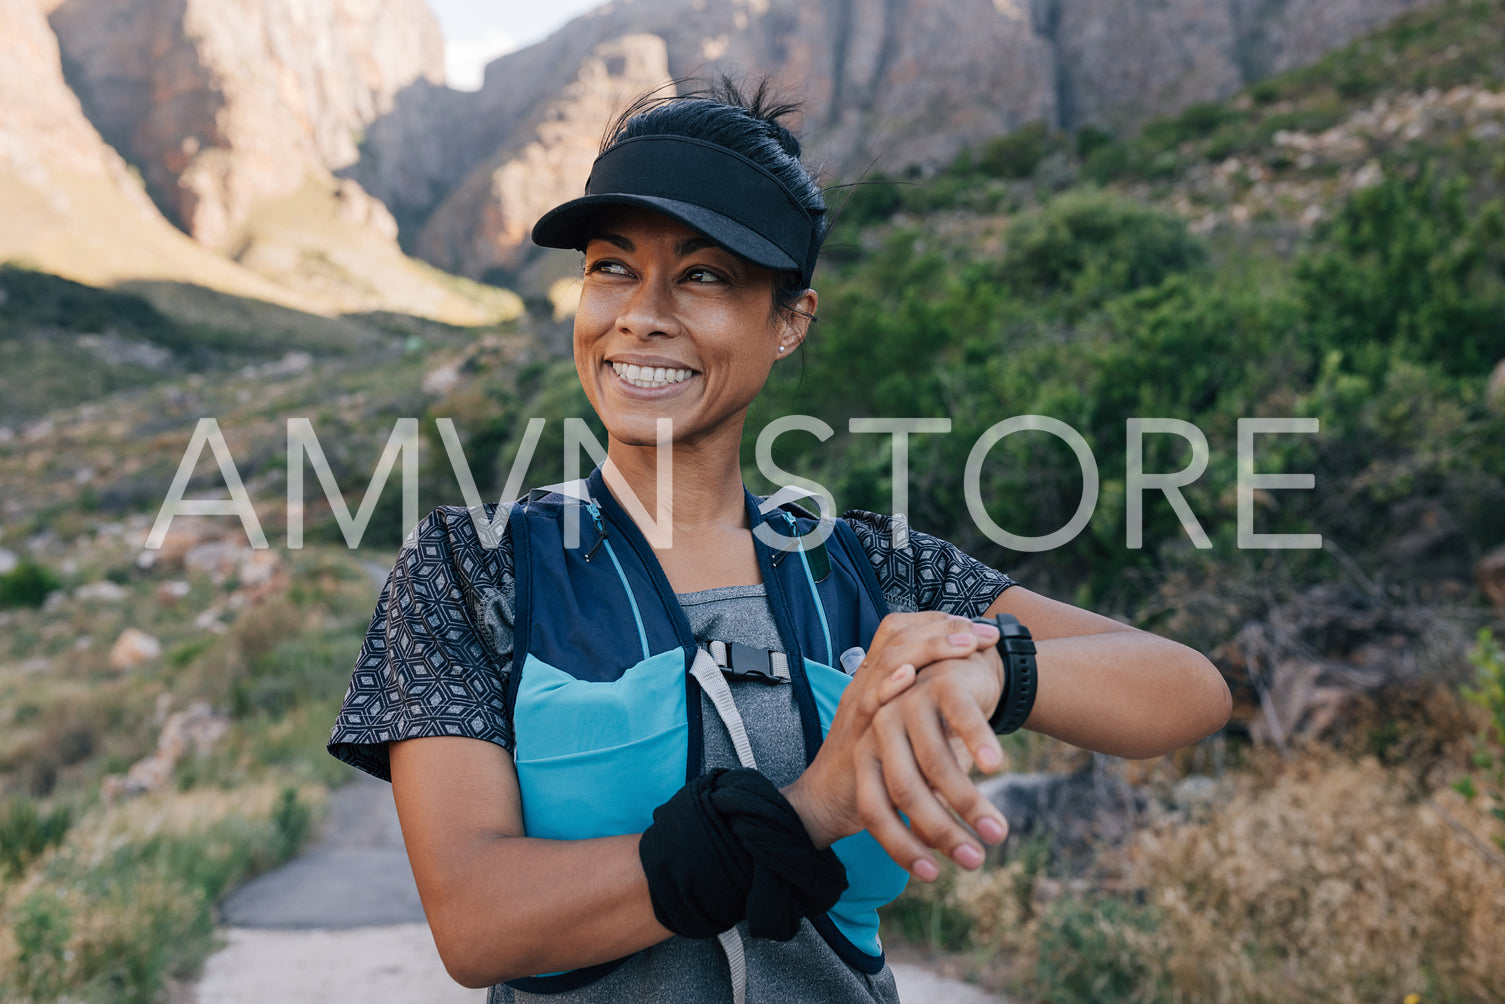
(342, 923)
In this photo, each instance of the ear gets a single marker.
(794, 324)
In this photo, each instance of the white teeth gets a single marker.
(650, 376)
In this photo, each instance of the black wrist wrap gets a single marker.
(729, 846)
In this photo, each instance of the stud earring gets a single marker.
(781, 348)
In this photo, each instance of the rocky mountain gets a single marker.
(886, 84)
(125, 126)
(66, 196)
(303, 138)
(222, 104)
(41, 122)
(485, 219)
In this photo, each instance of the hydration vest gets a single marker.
(606, 711)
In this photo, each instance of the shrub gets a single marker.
(27, 585)
(1017, 154)
(1327, 880)
(1084, 247)
(1098, 950)
(1194, 122)
(1489, 746)
(26, 831)
(1410, 268)
(869, 201)
(128, 903)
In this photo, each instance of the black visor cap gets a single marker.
(712, 190)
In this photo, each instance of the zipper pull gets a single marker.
(595, 511)
(780, 553)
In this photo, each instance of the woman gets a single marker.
(637, 771)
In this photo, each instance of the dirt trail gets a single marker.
(342, 923)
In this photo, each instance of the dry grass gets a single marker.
(1317, 878)
(1325, 879)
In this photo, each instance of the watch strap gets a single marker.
(1020, 679)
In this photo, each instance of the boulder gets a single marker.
(197, 729)
(103, 591)
(1494, 391)
(134, 648)
(1078, 811)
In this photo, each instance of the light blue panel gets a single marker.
(872, 876)
(828, 685)
(557, 714)
(595, 759)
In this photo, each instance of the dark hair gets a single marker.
(719, 113)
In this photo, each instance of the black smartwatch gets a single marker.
(1017, 650)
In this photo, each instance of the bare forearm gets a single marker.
(520, 906)
(1126, 693)
(503, 905)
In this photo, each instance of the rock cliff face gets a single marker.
(224, 106)
(68, 201)
(486, 219)
(42, 126)
(224, 103)
(885, 83)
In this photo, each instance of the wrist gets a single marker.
(1016, 656)
(822, 833)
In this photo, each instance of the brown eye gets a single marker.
(606, 266)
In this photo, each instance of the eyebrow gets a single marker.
(685, 247)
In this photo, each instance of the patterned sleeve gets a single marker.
(927, 573)
(439, 648)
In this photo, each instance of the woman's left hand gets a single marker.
(825, 795)
(915, 758)
(828, 796)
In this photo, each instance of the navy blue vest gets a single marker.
(605, 711)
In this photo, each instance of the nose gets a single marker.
(649, 310)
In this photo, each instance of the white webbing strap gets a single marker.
(736, 961)
(708, 675)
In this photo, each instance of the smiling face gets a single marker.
(671, 325)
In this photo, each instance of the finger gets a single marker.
(910, 789)
(896, 683)
(966, 716)
(960, 713)
(882, 821)
(959, 750)
(924, 644)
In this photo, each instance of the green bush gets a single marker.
(1195, 122)
(27, 585)
(1085, 247)
(1488, 692)
(36, 299)
(41, 926)
(1017, 154)
(869, 201)
(26, 832)
(1093, 951)
(1411, 268)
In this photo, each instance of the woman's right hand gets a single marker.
(826, 795)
